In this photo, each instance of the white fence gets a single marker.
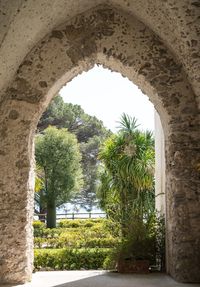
(74, 215)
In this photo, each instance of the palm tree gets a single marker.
(128, 180)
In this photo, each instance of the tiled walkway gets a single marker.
(100, 279)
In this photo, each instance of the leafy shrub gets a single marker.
(70, 259)
(47, 233)
(109, 242)
(112, 227)
(89, 223)
(74, 240)
(38, 228)
(110, 260)
(38, 242)
(75, 244)
(45, 242)
(38, 224)
(77, 223)
(69, 223)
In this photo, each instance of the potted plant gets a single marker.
(136, 251)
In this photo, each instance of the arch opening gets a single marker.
(91, 82)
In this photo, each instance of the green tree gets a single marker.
(61, 115)
(87, 197)
(127, 177)
(72, 117)
(57, 154)
(90, 133)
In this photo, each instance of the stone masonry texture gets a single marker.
(45, 44)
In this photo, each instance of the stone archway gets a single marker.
(107, 36)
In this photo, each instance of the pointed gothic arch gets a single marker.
(117, 40)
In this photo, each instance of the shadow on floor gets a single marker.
(107, 279)
(110, 279)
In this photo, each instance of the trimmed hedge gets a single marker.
(70, 259)
(77, 223)
(75, 242)
(91, 233)
(47, 232)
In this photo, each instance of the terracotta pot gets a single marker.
(132, 266)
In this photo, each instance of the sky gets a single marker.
(107, 95)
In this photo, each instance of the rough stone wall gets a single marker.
(16, 192)
(24, 23)
(120, 42)
(183, 197)
(178, 24)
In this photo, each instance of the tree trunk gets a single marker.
(42, 206)
(51, 214)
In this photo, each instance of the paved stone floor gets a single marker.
(100, 279)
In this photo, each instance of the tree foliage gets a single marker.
(57, 154)
(90, 132)
(89, 150)
(127, 176)
(72, 117)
